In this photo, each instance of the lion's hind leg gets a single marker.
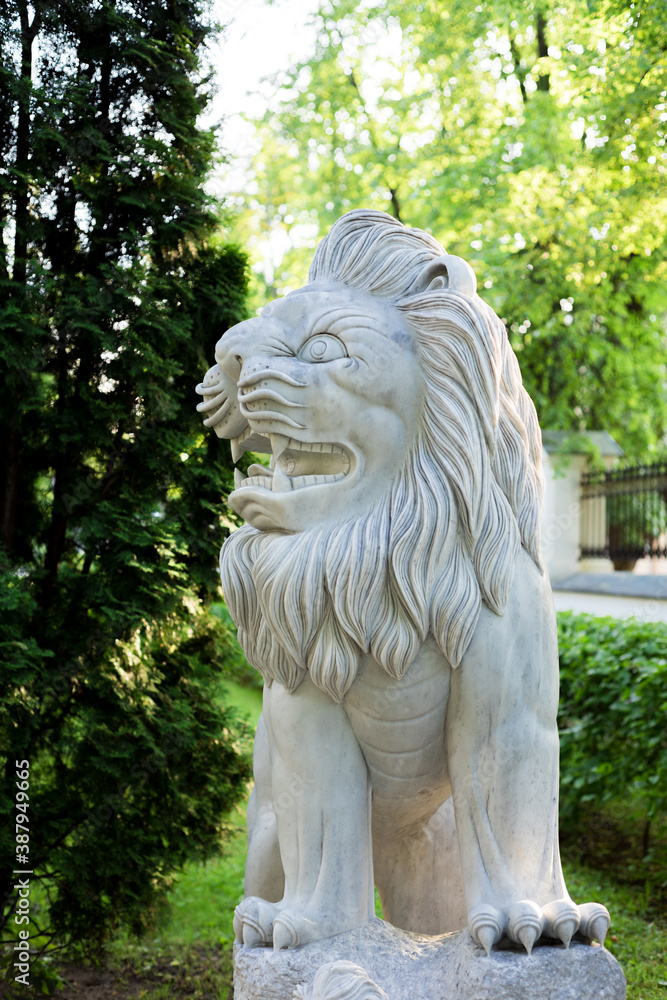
(264, 875)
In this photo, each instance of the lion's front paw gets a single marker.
(525, 922)
(253, 922)
(291, 930)
(294, 927)
(595, 921)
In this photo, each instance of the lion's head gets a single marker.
(405, 471)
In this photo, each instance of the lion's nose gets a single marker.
(243, 347)
(230, 360)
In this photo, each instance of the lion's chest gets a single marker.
(400, 724)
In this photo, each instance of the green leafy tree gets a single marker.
(530, 139)
(113, 289)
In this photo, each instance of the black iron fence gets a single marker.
(624, 514)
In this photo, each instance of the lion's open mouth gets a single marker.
(294, 464)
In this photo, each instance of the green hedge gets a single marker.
(613, 713)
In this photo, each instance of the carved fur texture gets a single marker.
(447, 534)
(341, 981)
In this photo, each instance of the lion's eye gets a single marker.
(322, 347)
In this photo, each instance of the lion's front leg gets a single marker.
(321, 798)
(502, 744)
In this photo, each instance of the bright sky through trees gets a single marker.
(258, 40)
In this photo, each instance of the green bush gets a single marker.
(613, 714)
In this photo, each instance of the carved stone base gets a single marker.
(409, 967)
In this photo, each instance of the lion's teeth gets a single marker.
(298, 482)
(278, 444)
(237, 448)
(281, 483)
(239, 479)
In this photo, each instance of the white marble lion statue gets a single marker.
(389, 587)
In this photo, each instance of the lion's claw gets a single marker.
(291, 930)
(254, 935)
(595, 921)
(486, 925)
(525, 922)
(285, 934)
(562, 918)
(253, 922)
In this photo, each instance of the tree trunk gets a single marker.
(395, 207)
(22, 215)
(519, 72)
(12, 444)
(542, 50)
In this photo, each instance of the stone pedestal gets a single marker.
(450, 967)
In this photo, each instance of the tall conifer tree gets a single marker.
(113, 289)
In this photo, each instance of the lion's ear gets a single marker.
(447, 272)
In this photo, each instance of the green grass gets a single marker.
(199, 916)
(637, 937)
(248, 701)
(203, 899)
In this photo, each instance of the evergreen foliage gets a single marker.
(113, 290)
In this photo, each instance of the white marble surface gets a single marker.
(389, 586)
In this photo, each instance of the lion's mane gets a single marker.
(447, 534)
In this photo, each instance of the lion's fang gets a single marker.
(281, 483)
(278, 444)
